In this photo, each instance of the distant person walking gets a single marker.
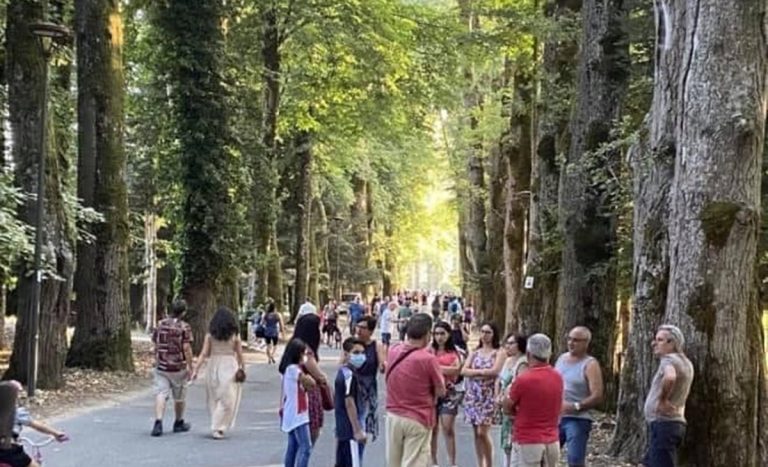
(223, 351)
(583, 381)
(386, 319)
(356, 312)
(460, 335)
(665, 405)
(375, 361)
(535, 400)
(306, 308)
(273, 327)
(481, 370)
(404, 314)
(414, 382)
(173, 366)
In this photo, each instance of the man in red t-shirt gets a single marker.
(414, 382)
(535, 399)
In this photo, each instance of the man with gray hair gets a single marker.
(665, 405)
(583, 381)
(535, 399)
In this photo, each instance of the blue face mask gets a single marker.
(357, 360)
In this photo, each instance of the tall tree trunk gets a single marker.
(304, 195)
(538, 303)
(587, 292)
(102, 338)
(318, 249)
(3, 310)
(25, 66)
(194, 45)
(476, 237)
(714, 219)
(464, 266)
(497, 195)
(518, 148)
(652, 159)
(275, 272)
(150, 266)
(265, 173)
(166, 275)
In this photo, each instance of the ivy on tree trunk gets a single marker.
(193, 53)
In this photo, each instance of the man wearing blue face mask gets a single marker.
(350, 437)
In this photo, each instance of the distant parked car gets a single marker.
(346, 300)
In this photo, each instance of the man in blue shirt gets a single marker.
(350, 437)
(356, 312)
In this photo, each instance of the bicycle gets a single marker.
(36, 447)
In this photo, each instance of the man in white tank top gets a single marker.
(583, 390)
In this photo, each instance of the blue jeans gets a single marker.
(574, 434)
(663, 440)
(299, 447)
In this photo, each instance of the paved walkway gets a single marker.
(119, 435)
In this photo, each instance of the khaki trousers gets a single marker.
(535, 455)
(408, 442)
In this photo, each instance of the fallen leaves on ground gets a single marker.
(85, 388)
(599, 442)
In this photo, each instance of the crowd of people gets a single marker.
(431, 377)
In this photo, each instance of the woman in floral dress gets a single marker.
(480, 370)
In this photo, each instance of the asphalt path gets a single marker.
(118, 435)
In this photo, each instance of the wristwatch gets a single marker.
(577, 406)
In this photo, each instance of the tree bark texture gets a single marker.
(3, 311)
(476, 237)
(517, 150)
(714, 219)
(275, 273)
(194, 51)
(538, 305)
(25, 92)
(304, 214)
(150, 266)
(464, 267)
(587, 290)
(102, 338)
(652, 159)
(497, 181)
(265, 174)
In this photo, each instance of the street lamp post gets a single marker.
(47, 35)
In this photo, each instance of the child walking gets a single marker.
(294, 404)
(350, 437)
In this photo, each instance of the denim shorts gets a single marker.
(574, 434)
